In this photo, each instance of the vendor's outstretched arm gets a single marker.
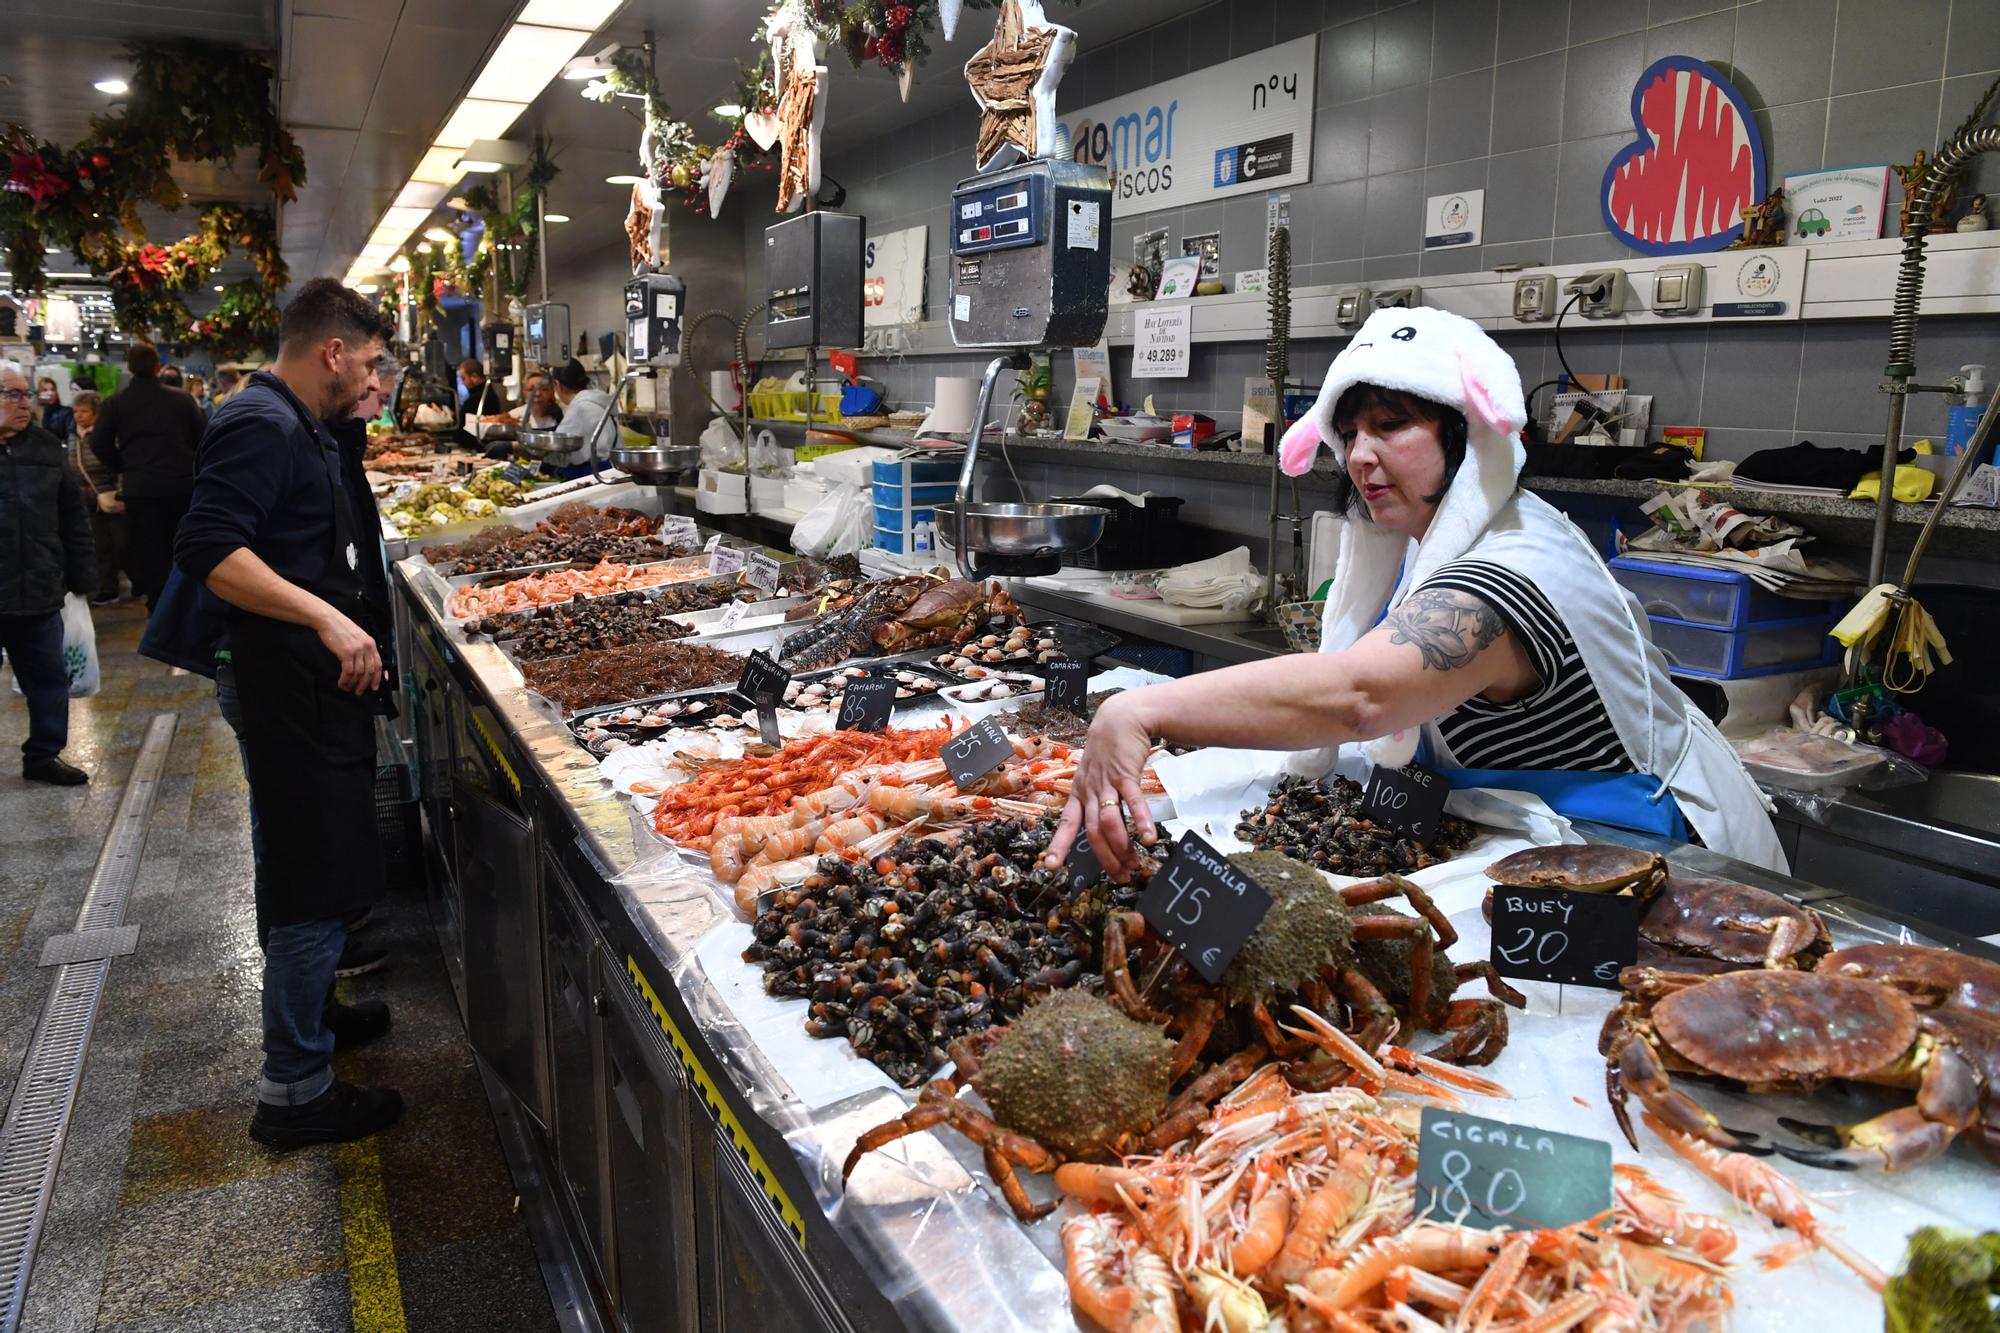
(1437, 649)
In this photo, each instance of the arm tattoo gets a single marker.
(1449, 628)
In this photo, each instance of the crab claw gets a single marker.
(1826, 1136)
(1836, 1159)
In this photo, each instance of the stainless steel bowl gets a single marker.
(1024, 529)
(657, 463)
(541, 443)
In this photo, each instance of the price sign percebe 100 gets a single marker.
(1410, 799)
(1203, 906)
(1488, 1173)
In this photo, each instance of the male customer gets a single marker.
(45, 535)
(275, 533)
(147, 434)
(476, 397)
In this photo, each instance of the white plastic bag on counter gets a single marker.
(841, 524)
(720, 447)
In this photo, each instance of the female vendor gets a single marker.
(1467, 616)
(583, 410)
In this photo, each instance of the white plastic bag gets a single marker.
(838, 525)
(79, 647)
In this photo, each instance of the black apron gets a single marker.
(310, 746)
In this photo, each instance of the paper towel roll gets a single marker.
(722, 387)
(953, 400)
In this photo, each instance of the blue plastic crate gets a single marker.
(916, 471)
(899, 540)
(911, 497)
(1767, 649)
(902, 520)
(1721, 598)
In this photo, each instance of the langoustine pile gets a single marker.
(532, 590)
(1296, 1211)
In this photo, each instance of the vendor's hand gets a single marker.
(1107, 777)
(354, 648)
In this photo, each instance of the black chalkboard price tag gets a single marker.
(1068, 685)
(1081, 868)
(1203, 906)
(975, 752)
(1560, 935)
(767, 719)
(763, 676)
(1409, 799)
(1488, 1173)
(865, 705)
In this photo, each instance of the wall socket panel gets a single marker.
(1535, 297)
(1600, 292)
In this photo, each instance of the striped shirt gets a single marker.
(1563, 724)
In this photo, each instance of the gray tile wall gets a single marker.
(1527, 99)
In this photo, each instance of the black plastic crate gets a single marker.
(1135, 536)
(398, 827)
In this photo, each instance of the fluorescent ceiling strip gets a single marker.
(524, 63)
(437, 166)
(407, 219)
(576, 15)
(422, 194)
(479, 118)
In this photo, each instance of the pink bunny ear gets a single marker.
(1301, 443)
(1479, 401)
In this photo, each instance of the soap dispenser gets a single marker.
(1966, 410)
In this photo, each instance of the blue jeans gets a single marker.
(299, 961)
(34, 644)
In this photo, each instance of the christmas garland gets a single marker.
(189, 101)
(245, 320)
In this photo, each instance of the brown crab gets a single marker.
(1717, 925)
(1785, 1030)
(949, 612)
(1930, 977)
(1586, 868)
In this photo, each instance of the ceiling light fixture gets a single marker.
(439, 234)
(400, 264)
(368, 288)
(623, 180)
(586, 15)
(115, 87)
(593, 66)
(218, 286)
(477, 166)
(439, 167)
(421, 194)
(555, 217)
(528, 57)
(478, 118)
(729, 111)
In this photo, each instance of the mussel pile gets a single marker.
(575, 531)
(1320, 822)
(579, 626)
(932, 940)
(636, 671)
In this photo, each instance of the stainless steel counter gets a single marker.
(697, 1179)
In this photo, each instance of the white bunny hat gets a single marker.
(1444, 358)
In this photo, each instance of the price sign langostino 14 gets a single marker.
(1561, 935)
(1203, 906)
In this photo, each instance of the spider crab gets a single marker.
(1793, 1031)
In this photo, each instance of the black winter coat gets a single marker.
(45, 546)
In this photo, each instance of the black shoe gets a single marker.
(104, 599)
(359, 958)
(341, 1113)
(356, 1024)
(361, 923)
(55, 772)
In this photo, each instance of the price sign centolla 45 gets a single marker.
(1203, 906)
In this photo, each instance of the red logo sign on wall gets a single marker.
(1698, 161)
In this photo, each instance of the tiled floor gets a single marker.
(167, 1218)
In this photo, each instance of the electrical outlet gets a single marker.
(1677, 289)
(1600, 293)
(1352, 306)
(1399, 298)
(1535, 296)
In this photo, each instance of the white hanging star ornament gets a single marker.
(1018, 123)
(948, 11)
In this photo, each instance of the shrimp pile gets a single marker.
(688, 812)
(533, 590)
(761, 852)
(1294, 1211)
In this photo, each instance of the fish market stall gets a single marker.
(722, 1086)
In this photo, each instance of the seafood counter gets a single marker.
(979, 1093)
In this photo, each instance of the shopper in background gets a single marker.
(276, 532)
(583, 411)
(477, 396)
(228, 382)
(170, 377)
(46, 520)
(538, 409)
(50, 413)
(147, 434)
(197, 389)
(100, 488)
